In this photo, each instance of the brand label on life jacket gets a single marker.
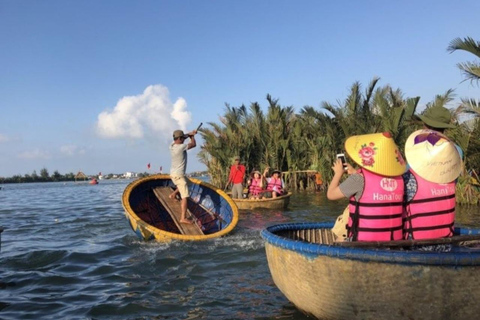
(447, 190)
(388, 184)
(387, 197)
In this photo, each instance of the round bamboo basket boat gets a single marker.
(267, 203)
(150, 220)
(336, 282)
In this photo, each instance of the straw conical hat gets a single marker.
(376, 152)
(433, 156)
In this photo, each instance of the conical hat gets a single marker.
(433, 156)
(376, 152)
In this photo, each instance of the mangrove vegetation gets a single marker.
(298, 143)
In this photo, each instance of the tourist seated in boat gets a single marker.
(256, 185)
(275, 184)
(434, 164)
(375, 190)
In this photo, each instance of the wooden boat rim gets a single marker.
(470, 258)
(285, 196)
(131, 212)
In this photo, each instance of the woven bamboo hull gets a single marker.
(269, 203)
(150, 221)
(330, 282)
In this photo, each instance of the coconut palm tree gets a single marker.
(471, 69)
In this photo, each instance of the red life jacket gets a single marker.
(275, 185)
(254, 187)
(431, 212)
(377, 215)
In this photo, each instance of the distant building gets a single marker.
(80, 176)
(130, 175)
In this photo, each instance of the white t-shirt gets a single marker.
(179, 159)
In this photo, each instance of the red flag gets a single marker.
(148, 165)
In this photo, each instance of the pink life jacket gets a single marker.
(275, 185)
(431, 212)
(254, 187)
(377, 216)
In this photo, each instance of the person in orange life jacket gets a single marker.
(318, 181)
(375, 190)
(255, 185)
(434, 165)
(275, 184)
(178, 152)
(236, 176)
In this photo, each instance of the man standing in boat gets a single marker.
(178, 151)
(237, 174)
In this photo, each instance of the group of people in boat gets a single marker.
(258, 185)
(394, 199)
(389, 198)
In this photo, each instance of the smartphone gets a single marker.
(341, 156)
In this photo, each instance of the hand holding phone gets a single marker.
(341, 156)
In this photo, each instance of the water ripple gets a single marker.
(68, 253)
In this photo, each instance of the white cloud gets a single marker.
(145, 115)
(71, 150)
(34, 154)
(4, 138)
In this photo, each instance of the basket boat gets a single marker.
(331, 281)
(154, 216)
(266, 203)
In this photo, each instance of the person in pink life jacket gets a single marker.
(434, 165)
(275, 184)
(255, 185)
(375, 190)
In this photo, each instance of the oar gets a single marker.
(198, 128)
(408, 243)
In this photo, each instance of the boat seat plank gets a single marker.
(174, 208)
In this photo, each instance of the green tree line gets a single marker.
(44, 176)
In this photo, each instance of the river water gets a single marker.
(68, 253)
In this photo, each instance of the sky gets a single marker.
(100, 85)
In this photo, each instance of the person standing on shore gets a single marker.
(236, 176)
(178, 152)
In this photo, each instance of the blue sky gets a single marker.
(99, 86)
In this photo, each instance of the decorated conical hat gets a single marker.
(376, 152)
(433, 156)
